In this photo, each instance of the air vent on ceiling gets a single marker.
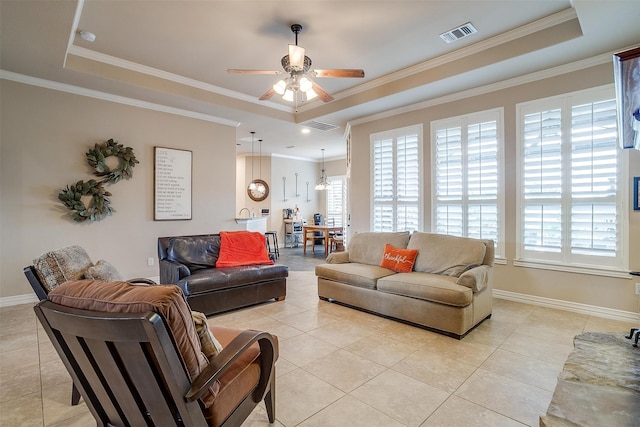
(319, 125)
(458, 33)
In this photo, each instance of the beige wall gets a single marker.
(44, 137)
(578, 288)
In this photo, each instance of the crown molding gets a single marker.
(90, 93)
(482, 90)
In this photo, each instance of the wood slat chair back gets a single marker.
(126, 366)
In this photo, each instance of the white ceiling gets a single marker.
(176, 53)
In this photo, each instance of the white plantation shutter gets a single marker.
(569, 181)
(467, 200)
(396, 180)
(337, 201)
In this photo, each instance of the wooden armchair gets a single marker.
(137, 368)
(70, 263)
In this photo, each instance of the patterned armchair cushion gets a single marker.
(104, 271)
(58, 266)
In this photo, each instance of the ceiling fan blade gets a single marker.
(267, 95)
(340, 73)
(322, 94)
(238, 71)
(296, 56)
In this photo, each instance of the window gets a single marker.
(396, 184)
(337, 201)
(570, 191)
(467, 177)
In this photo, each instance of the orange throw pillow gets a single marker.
(398, 260)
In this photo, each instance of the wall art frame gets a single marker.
(172, 183)
(626, 68)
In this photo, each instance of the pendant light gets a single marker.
(323, 182)
(260, 186)
(252, 185)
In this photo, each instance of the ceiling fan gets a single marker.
(298, 67)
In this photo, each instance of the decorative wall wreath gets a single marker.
(98, 208)
(126, 160)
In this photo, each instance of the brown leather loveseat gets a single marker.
(190, 263)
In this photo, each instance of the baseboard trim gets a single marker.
(18, 299)
(591, 310)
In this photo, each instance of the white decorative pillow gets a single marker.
(210, 345)
(104, 271)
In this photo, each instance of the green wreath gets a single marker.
(126, 161)
(98, 207)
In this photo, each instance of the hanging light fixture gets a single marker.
(323, 182)
(259, 184)
(252, 185)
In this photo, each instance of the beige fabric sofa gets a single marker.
(449, 289)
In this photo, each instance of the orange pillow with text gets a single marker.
(398, 260)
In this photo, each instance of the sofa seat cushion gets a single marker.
(353, 273)
(426, 286)
(444, 254)
(216, 279)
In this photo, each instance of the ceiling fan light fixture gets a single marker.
(288, 95)
(311, 94)
(296, 56)
(280, 87)
(305, 84)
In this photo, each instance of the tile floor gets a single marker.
(342, 367)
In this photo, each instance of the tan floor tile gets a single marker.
(307, 320)
(300, 395)
(401, 397)
(303, 349)
(283, 366)
(80, 420)
(511, 312)
(19, 382)
(25, 411)
(526, 369)
(537, 347)
(491, 332)
(382, 350)
(341, 333)
(560, 320)
(349, 411)
(344, 370)
(463, 350)
(19, 358)
(18, 340)
(511, 398)
(279, 309)
(407, 333)
(56, 404)
(457, 412)
(259, 418)
(599, 324)
(442, 372)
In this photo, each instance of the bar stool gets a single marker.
(274, 237)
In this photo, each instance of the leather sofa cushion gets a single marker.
(426, 286)
(444, 254)
(355, 274)
(368, 247)
(123, 297)
(215, 279)
(196, 252)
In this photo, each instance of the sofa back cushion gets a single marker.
(368, 247)
(196, 252)
(444, 254)
(123, 297)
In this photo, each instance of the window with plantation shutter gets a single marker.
(570, 192)
(337, 201)
(467, 176)
(395, 183)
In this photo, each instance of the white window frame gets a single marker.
(343, 213)
(395, 203)
(565, 261)
(463, 122)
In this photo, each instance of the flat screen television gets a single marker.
(626, 67)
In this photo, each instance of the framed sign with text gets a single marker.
(172, 184)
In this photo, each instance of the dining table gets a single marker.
(325, 229)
